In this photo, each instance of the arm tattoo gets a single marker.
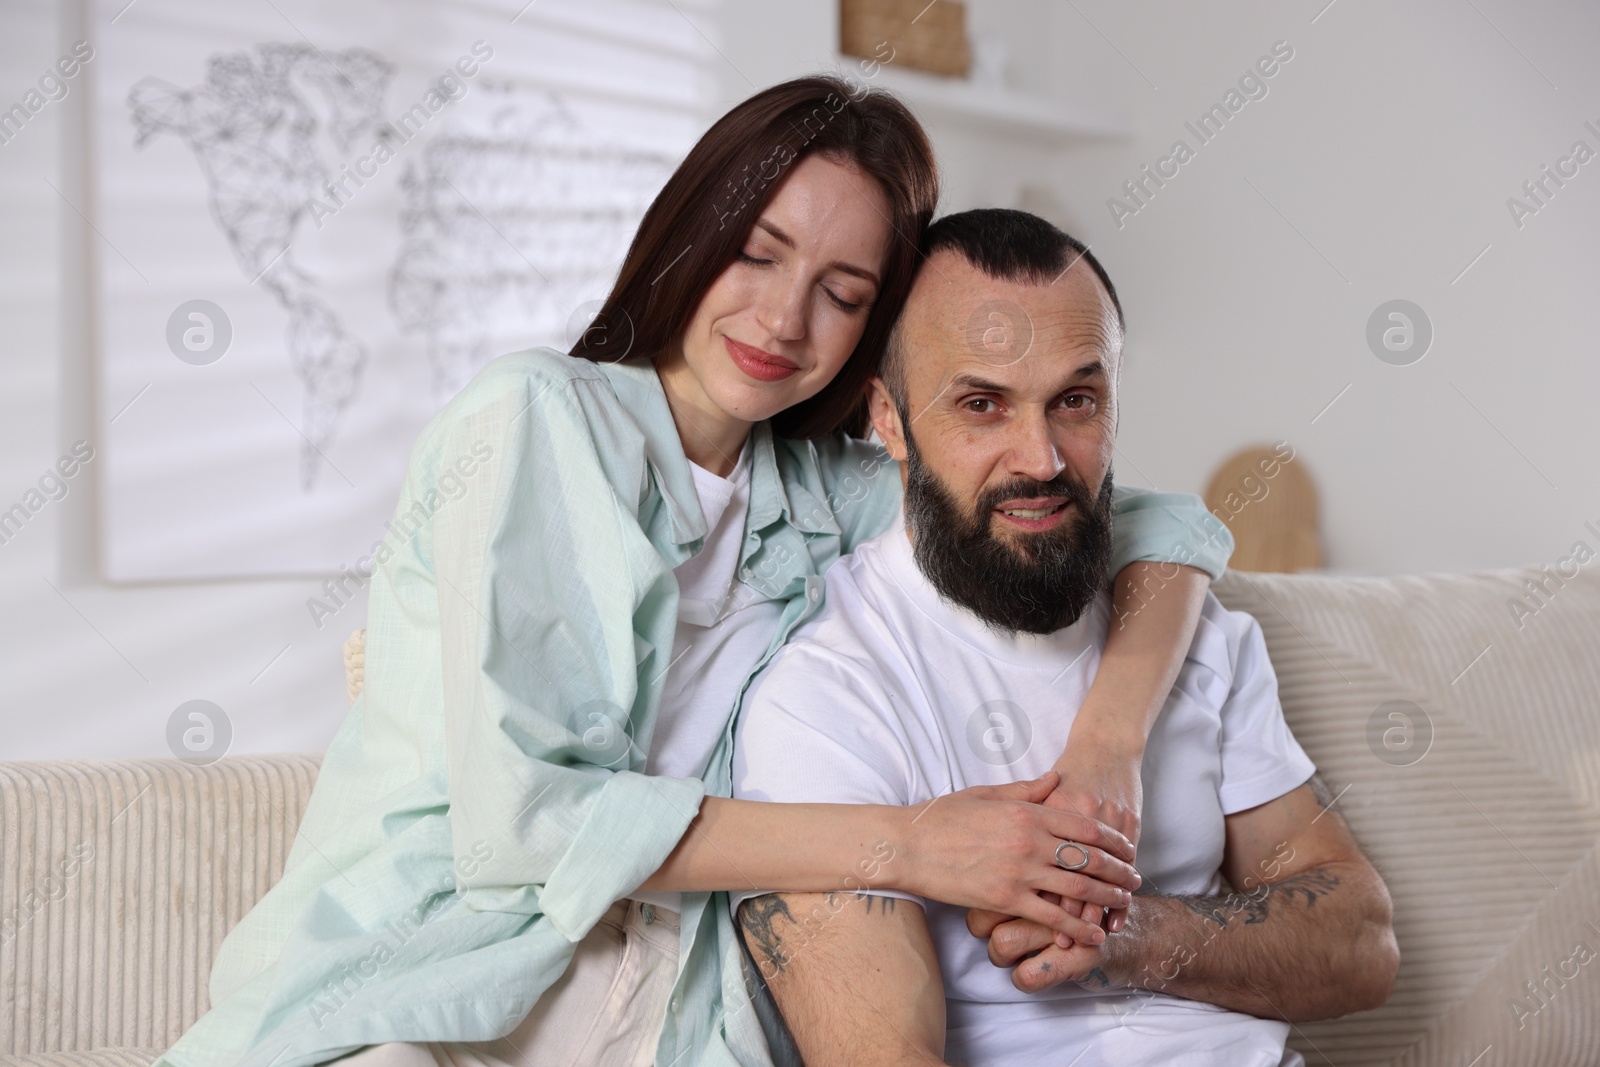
(1254, 907)
(758, 919)
(887, 903)
(1309, 886)
(1251, 906)
(755, 917)
(1095, 979)
(1319, 789)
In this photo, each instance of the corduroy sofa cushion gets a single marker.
(1462, 734)
(1480, 804)
(100, 1057)
(118, 881)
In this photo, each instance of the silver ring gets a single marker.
(1072, 866)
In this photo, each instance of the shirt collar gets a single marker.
(771, 495)
(792, 498)
(639, 389)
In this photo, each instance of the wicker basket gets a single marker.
(907, 33)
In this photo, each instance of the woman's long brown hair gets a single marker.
(702, 216)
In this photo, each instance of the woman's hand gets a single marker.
(993, 848)
(1101, 779)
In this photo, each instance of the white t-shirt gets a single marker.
(724, 628)
(891, 695)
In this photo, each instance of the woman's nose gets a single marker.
(782, 309)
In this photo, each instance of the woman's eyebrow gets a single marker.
(838, 265)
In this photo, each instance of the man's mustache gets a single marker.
(1061, 485)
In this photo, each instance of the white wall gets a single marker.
(1389, 145)
(93, 669)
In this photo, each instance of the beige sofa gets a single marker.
(1461, 733)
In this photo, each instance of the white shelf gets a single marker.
(989, 109)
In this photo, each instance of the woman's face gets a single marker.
(783, 318)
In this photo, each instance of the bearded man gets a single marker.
(954, 651)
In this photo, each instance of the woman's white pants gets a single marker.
(606, 1010)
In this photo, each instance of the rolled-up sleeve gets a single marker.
(552, 606)
(1167, 528)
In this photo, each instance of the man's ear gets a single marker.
(886, 419)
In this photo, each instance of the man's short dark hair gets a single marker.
(1007, 245)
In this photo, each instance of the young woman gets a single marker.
(523, 826)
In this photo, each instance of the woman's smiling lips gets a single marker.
(1035, 514)
(760, 365)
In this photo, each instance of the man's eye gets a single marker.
(1079, 403)
(979, 405)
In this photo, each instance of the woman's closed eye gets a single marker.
(843, 304)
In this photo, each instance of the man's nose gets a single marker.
(782, 308)
(1033, 452)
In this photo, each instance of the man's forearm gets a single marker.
(1314, 945)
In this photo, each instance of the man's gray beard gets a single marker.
(1041, 583)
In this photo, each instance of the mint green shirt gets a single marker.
(482, 804)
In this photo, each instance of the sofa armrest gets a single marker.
(118, 881)
(103, 1057)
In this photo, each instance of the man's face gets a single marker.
(1005, 436)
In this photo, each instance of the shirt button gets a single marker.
(745, 573)
(812, 594)
(677, 1002)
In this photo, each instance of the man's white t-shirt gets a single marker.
(891, 695)
(724, 628)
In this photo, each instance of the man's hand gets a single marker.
(1100, 780)
(1036, 960)
(994, 847)
(1308, 937)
